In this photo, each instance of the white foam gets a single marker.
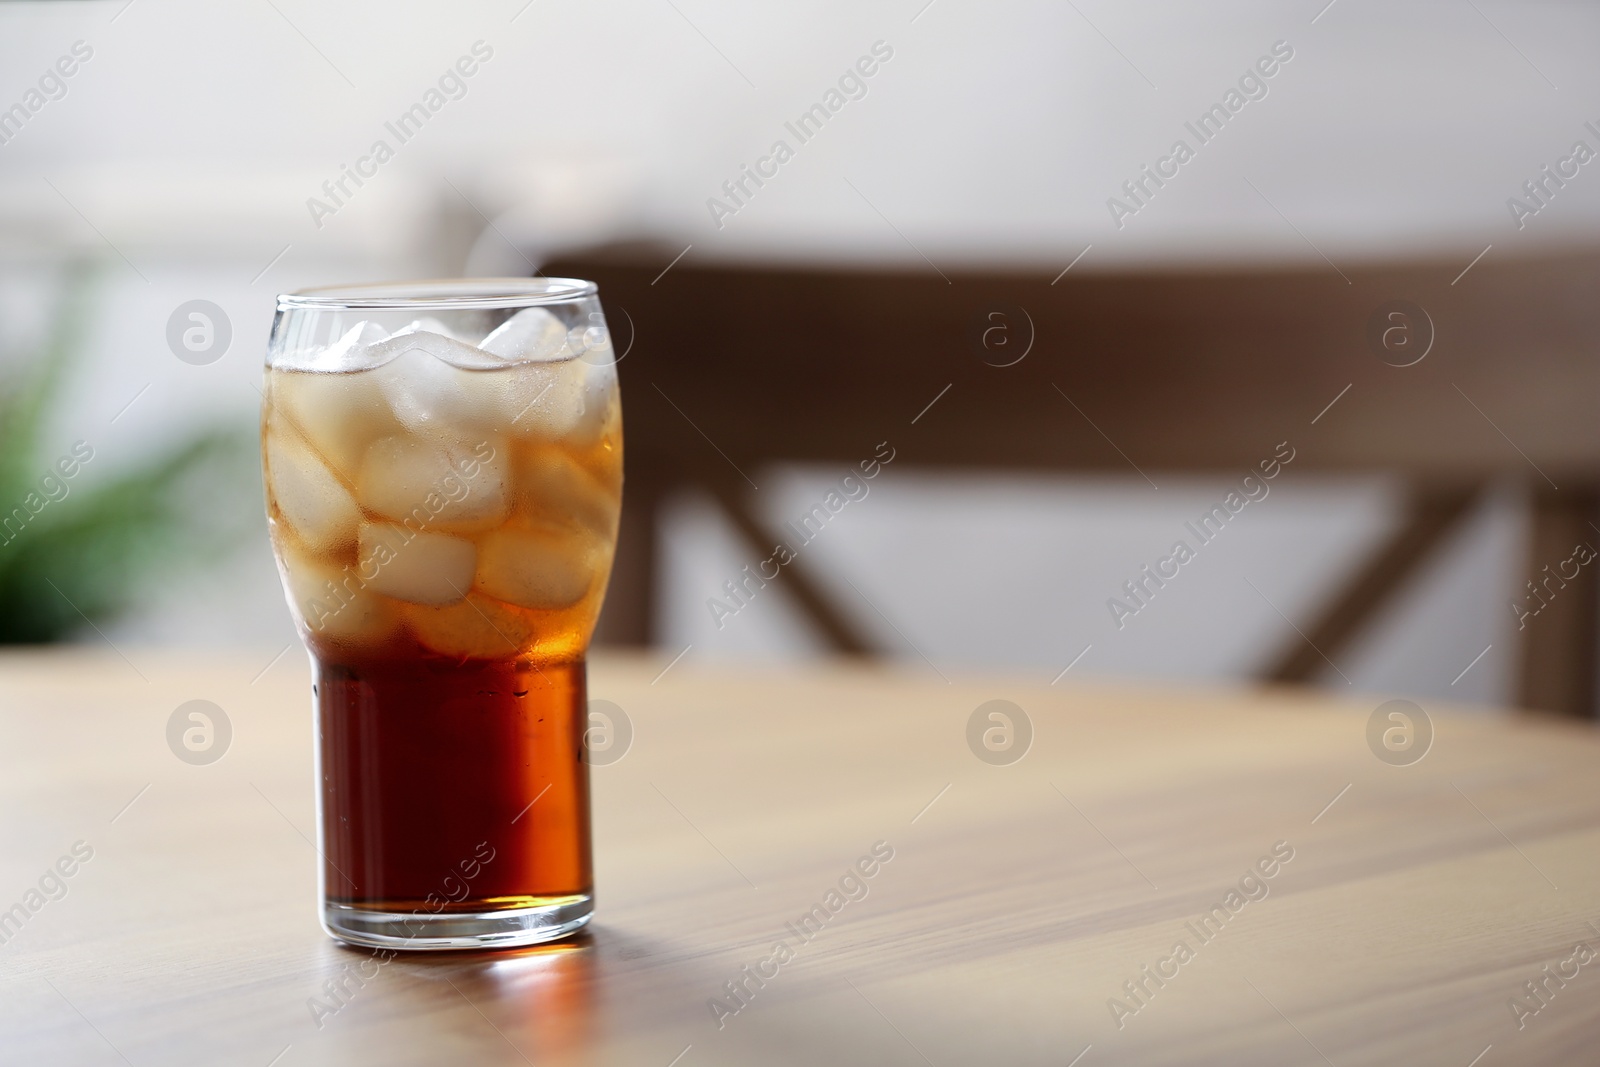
(353, 351)
(428, 324)
(440, 346)
(553, 381)
(532, 335)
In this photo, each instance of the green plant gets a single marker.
(86, 555)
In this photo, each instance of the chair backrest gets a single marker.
(1449, 374)
(1192, 371)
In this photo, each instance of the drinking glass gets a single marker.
(443, 466)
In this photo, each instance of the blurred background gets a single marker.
(985, 258)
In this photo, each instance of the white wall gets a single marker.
(998, 130)
(948, 574)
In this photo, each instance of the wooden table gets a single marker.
(1019, 899)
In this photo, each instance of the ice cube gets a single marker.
(416, 566)
(309, 497)
(349, 352)
(589, 406)
(554, 485)
(446, 486)
(330, 602)
(532, 334)
(338, 415)
(426, 394)
(475, 628)
(538, 567)
(546, 399)
(444, 388)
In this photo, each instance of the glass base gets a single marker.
(559, 917)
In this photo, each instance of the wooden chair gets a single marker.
(733, 366)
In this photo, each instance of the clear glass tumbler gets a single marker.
(443, 466)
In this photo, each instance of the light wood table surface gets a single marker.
(1018, 901)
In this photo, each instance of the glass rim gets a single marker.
(445, 294)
